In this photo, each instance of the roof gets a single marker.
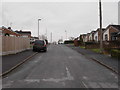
(10, 31)
(116, 26)
(103, 29)
(23, 32)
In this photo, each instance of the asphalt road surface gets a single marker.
(61, 67)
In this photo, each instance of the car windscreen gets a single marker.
(39, 42)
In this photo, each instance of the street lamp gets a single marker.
(66, 34)
(38, 27)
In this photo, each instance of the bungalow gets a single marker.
(24, 33)
(83, 37)
(8, 32)
(91, 37)
(97, 34)
(111, 32)
(88, 37)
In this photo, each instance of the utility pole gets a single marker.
(38, 27)
(101, 36)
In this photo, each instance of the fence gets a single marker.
(11, 45)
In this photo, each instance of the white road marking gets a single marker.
(84, 85)
(84, 77)
(69, 77)
(32, 80)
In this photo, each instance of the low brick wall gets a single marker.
(106, 45)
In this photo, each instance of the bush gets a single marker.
(115, 53)
(68, 42)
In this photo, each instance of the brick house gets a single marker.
(24, 33)
(8, 32)
(111, 32)
(97, 34)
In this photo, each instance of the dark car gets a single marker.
(40, 45)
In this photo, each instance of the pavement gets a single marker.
(61, 67)
(107, 60)
(9, 61)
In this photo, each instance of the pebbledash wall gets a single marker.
(13, 45)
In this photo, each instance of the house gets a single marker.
(97, 34)
(24, 33)
(111, 32)
(91, 36)
(8, 32)
(83, 37)
(88, 37)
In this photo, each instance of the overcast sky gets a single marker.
(74, 17)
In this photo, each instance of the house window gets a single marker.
(113, 38)
(106, 37)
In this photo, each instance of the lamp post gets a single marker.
(66, 34)
(38, 27)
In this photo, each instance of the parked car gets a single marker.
(40, 45)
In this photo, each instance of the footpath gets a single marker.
(104, 59)
(9, 61)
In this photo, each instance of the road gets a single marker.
(61, 67)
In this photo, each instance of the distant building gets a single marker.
(24, 33)
(32, 39)
(111, 32)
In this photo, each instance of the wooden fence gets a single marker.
(12, 45)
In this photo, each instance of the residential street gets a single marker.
(61, 67)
